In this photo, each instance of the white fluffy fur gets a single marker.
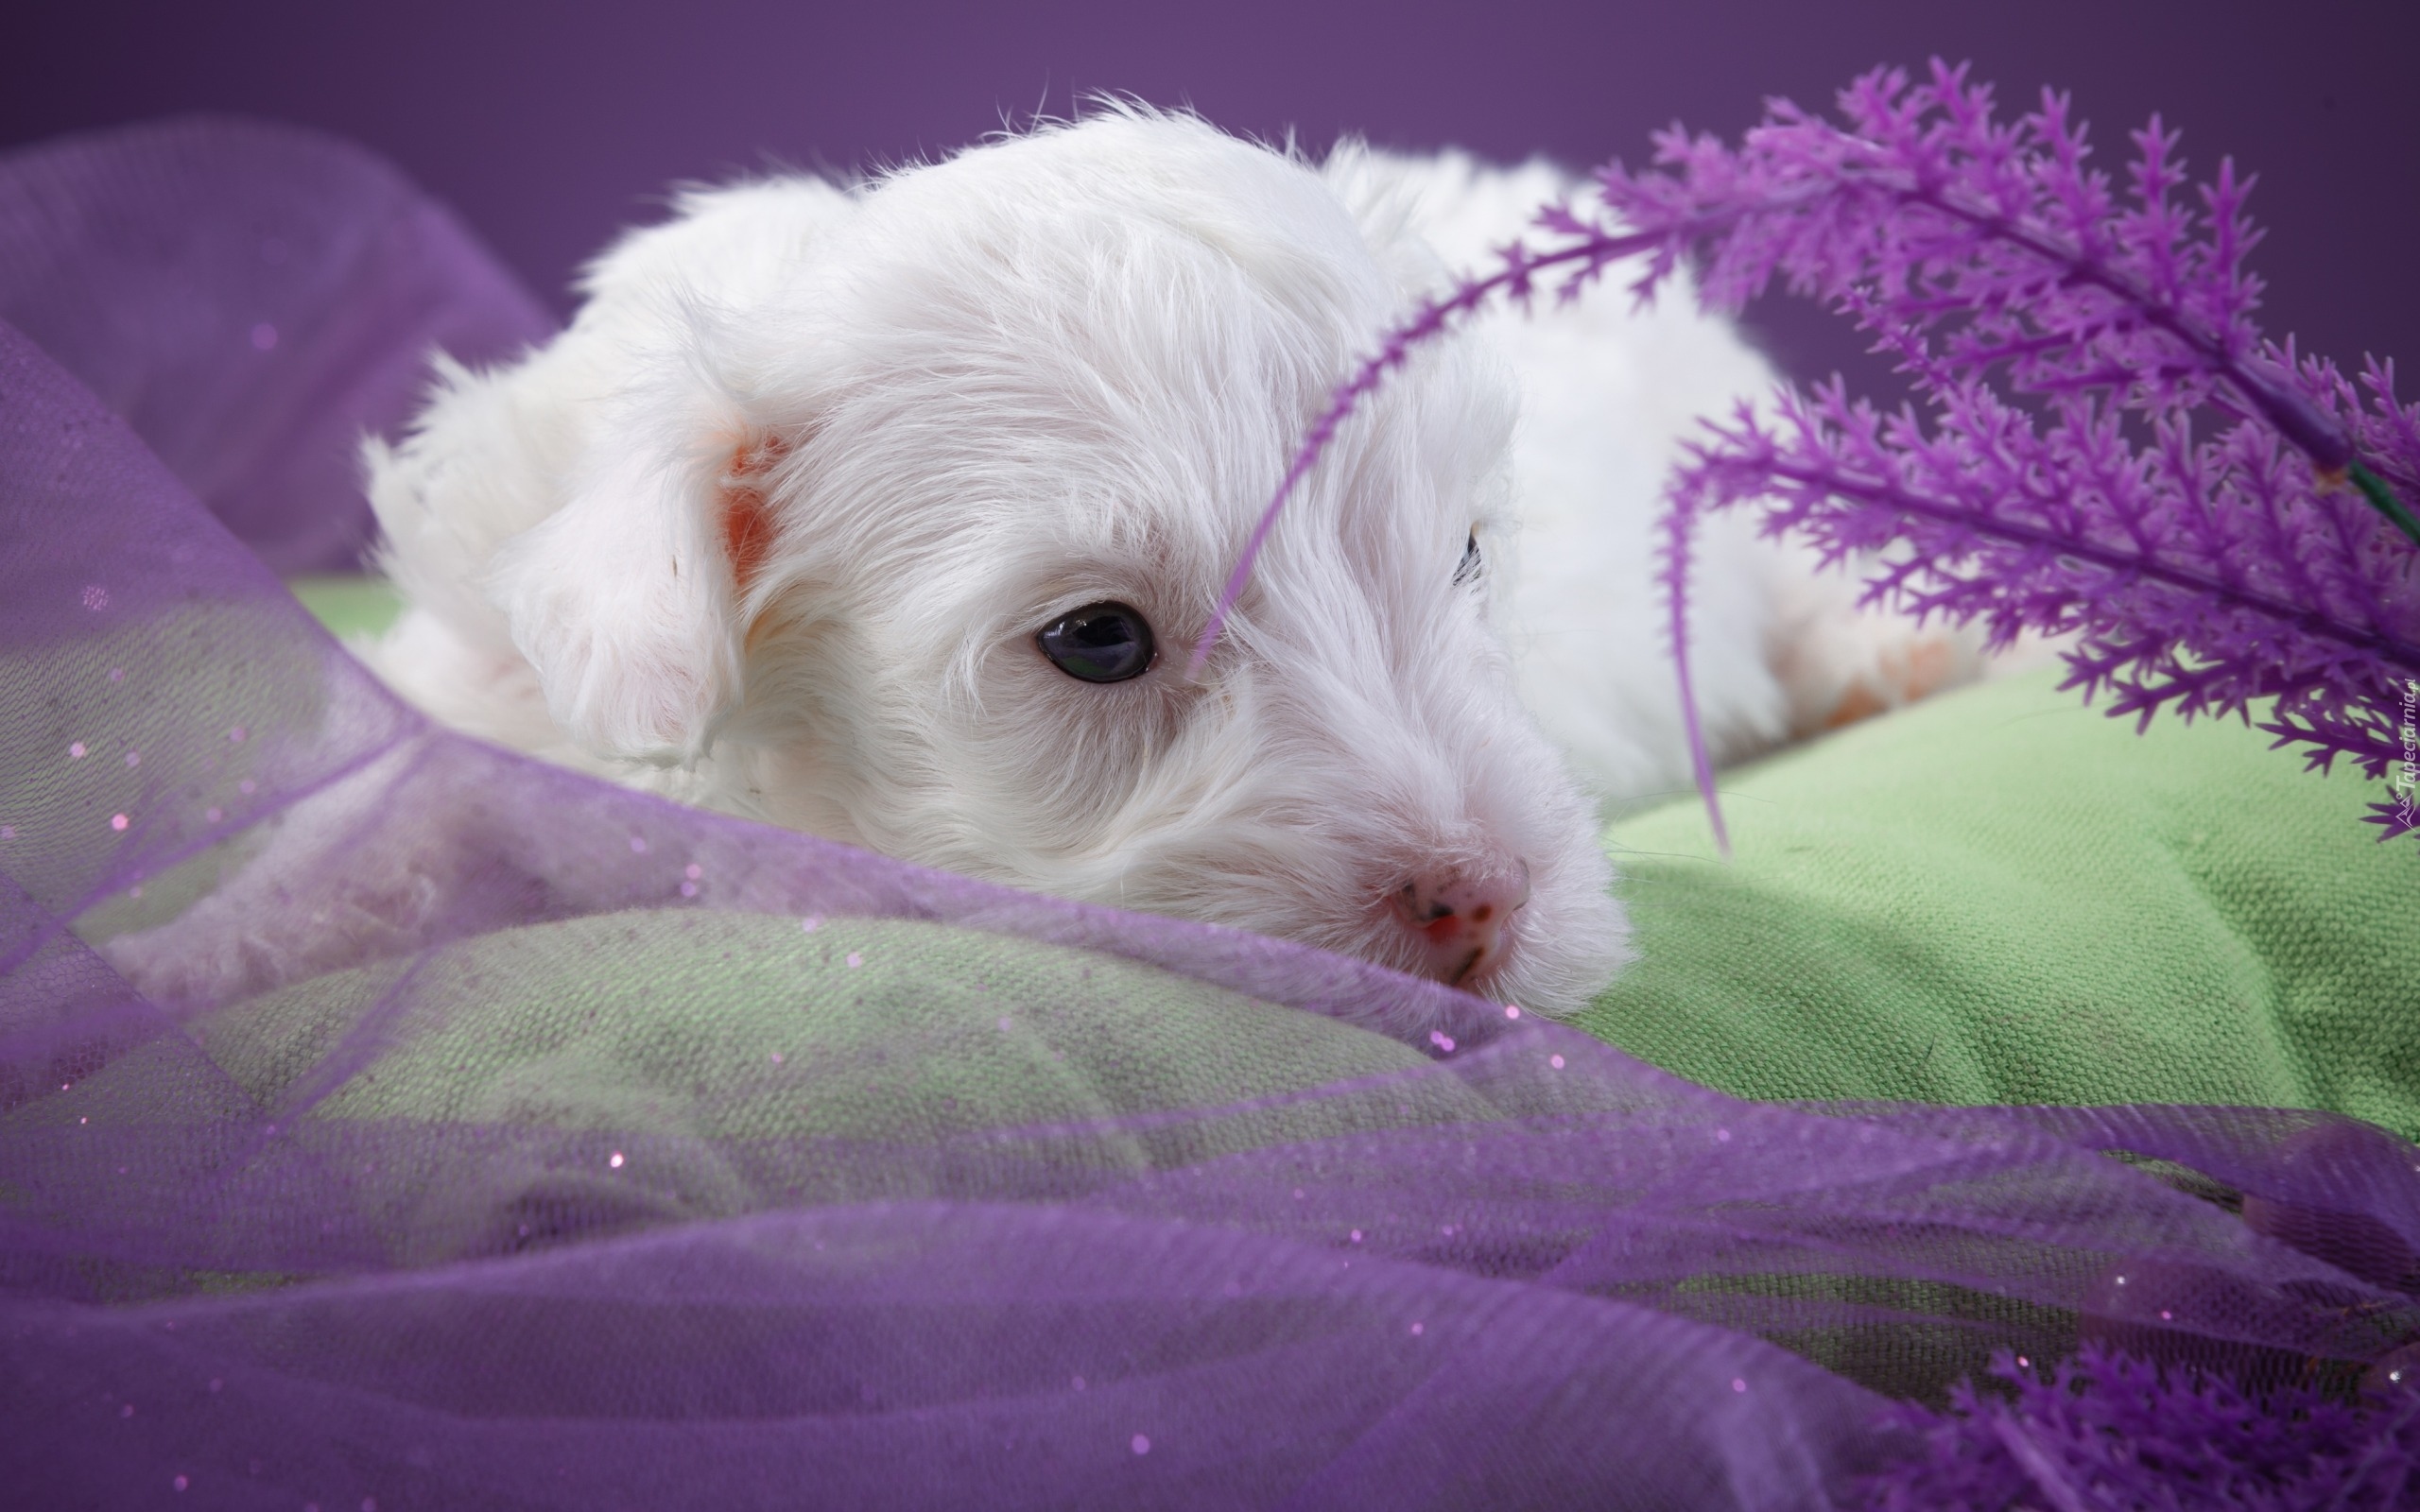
(1064, 368)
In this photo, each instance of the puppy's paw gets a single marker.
(192, 963)
(258, 935)
(1836, 670)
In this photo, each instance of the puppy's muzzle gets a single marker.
(1462, 918)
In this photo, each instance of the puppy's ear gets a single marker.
(628, 599)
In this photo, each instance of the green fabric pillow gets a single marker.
(348, 606)
(670, 1064)
(2002, 895)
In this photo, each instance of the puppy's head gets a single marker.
(906, 538)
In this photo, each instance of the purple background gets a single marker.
(550, 123)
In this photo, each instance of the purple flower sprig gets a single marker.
(2064, 339)
(2105, 1429)
(1583, 250)
(1517, 278)
(2198, 576)
(1922, 214)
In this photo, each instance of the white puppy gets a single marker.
(893, 513)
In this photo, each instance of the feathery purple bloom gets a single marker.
(2106, 1431)
(2063, 338)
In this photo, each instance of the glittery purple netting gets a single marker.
(251, 299)
(543, 1144)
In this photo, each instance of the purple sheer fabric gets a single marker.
(251, 298)
(536, 1144)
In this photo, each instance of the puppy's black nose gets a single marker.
(1461, 917)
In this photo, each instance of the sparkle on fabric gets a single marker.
(96, 598)
(1416, 1329)
(1737, 1384)
(1556, 1061)
(1511, 1010)
(179, 1483)
(76, 751)
(1442, 1041)
(1722, 1136)
(693, 871)
(1356, 1236)
(777, 1058)
(1142, 1444)
(615, 1160)
(117, 822)
(134, 758)
(264, 337)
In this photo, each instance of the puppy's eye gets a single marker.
(1472, 562)
(1099, 643)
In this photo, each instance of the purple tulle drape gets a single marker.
(653, 1159)
(251, 298)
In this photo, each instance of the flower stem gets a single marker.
(2382, 499)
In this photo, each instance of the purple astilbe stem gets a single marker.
(1675, 578)
(2062, 338)
(1516, 279)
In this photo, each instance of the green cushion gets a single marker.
(2003, 896)
(677, 1063)
(348, 606)
(736, 1026)
(1996, 895)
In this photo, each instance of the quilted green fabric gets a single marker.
(2001, 896)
